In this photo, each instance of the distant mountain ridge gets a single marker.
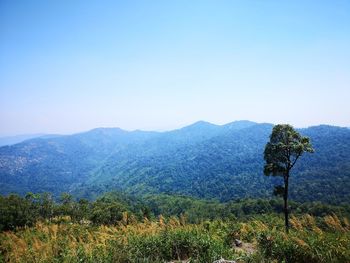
(202, 160)
(10, 140)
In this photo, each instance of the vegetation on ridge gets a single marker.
(203, 160)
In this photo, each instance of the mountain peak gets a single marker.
(103, 129)
(236, 125)
(201, 123)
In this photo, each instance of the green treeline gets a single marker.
(17, 211)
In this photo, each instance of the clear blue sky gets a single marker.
(68, 66)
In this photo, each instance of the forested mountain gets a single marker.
(57, 164)
(202, 160)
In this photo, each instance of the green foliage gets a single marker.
(285, 147)
(106, 212)
(203, 160)
(281, 153)
(16, 211)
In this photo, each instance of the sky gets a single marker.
(69, 66)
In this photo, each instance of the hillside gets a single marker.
(202, 160)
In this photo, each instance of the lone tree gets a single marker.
(281, 153)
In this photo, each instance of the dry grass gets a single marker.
(322, 240)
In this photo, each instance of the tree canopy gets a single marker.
(285, 147)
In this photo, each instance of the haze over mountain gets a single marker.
(202, 160)
(10, 140)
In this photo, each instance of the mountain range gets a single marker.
(10, 140)
(204, 160)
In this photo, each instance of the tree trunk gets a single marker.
(285, 199)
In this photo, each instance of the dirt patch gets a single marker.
(247, 248)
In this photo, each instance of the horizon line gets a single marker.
(41, 134)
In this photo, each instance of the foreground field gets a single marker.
(311, 240)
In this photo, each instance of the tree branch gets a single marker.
(296, 158)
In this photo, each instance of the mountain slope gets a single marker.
(202, 160)
(57, 164)
(202, 169)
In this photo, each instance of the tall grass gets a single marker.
(310, 240)
(148, 241)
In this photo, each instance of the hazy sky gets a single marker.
(68, 66)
